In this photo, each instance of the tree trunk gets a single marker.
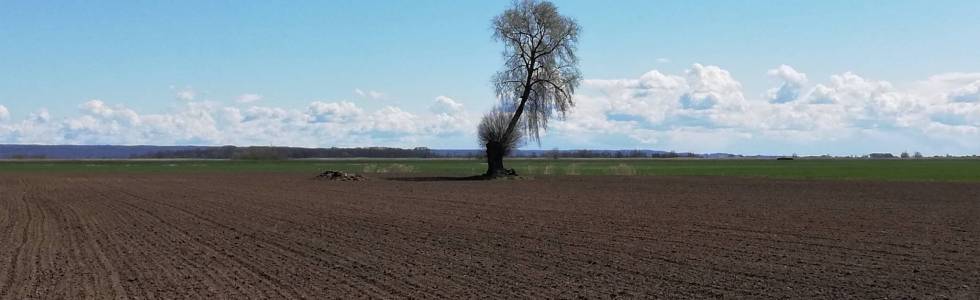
(495, 160)
(495, 150)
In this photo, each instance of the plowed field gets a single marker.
(286, 235)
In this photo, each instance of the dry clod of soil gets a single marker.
(340, 176)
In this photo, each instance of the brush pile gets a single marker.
(340, 176)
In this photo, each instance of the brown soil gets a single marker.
(289, 236)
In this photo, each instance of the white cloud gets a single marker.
(651, 96)
(40, 116)
(592, 115)
(710, 86)
(248, 98)
(446, 105)
(792, 84)
(321, 123)
(822, 94)
(940, 84)
(119, 113)
(4, 113)
(333, 112)
(788, 74)
(369, 94)
(702, 109)
(390, 119)
(264, 113)
(186, 94)
(705, 110)
(968, 93)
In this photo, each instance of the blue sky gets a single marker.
(856, 76)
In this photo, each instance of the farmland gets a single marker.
(233, 230)
(892, 170)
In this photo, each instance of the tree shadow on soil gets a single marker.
(440, 178)
(462, 178)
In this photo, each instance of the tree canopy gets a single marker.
(540, 71)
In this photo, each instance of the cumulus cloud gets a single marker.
(40, 116)
(264, 113)
(822, 94)
(650, 96)
(375, 95)
(710, 86)
(4, 113)
(321, 123)
(185, 94)
(334, 112)
(248, 98)
(705, 110)
(121, 114)
(702, 109)
(792, 84)
(390, 119)
(968, 93)
(446, 105)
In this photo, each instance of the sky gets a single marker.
(747, 77)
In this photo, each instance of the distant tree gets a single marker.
(554, 153)
(881, 155)
(584, 153)
(917, 155)
(259, 153)
(425, 152)
(905, 154)
(28, 156)
(540, 71)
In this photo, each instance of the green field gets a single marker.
(916, 170)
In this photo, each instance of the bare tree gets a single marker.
(492, 128)
(540, 71)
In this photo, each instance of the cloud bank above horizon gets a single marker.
(703, 109)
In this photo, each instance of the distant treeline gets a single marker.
(585, 153)
(261, 153)
(26, 156)
(232, 152)
(271, 152)
(34, 152)
(82, 151)
(258, 153)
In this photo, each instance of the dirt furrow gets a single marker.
(283, 249)
(15, 235)
(197, 262)
(282, 235)
(307, 241)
